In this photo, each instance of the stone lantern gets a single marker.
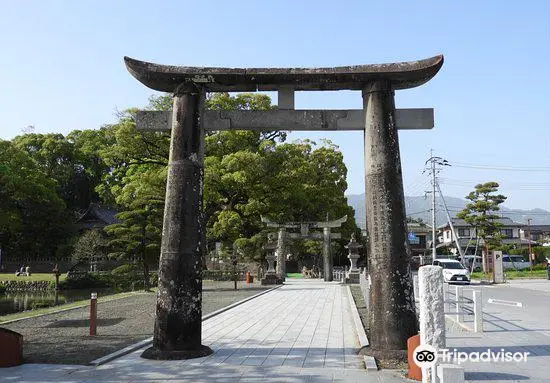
(270, 275)
(353, 274)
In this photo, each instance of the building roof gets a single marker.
(504, 221)
(535, 228)
(106, 215)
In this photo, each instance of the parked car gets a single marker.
(475, 260)
(509, 262)
(453, 271)
(514, 262)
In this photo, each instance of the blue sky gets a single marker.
(62, 69)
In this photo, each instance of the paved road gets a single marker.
(517, 320)
(302, 332)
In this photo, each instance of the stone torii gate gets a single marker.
(305, 228)
(392, 318)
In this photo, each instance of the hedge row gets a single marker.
(223, 275)
(26, 285)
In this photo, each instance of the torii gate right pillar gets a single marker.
(392, 317)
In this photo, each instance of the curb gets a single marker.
(370, 363)
(145, 342)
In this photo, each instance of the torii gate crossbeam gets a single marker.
(392, 317)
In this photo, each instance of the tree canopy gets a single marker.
(480, 212)
(247, 174)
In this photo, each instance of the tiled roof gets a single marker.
(95, 211)
(505, 221)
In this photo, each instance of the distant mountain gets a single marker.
(420, 207)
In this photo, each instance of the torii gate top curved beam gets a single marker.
(167, 78)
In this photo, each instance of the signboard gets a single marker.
(498, 270)
(413, 239)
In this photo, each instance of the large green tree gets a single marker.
(33, 218)
(480, 213)
(73, 162)
(247, 174)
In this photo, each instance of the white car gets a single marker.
(453, 271)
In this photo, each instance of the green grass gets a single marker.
(515, 274)
(33, 277)
(294, 275)
(54, 309)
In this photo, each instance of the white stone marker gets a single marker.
(432, 314)
(478, 311)
(450, 373)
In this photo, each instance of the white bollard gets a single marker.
(432, 314)
(478, 311)
(450, 373)
(415, 287)
(458, 299)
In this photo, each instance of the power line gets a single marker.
(503, 168)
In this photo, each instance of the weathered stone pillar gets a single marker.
(177, 333)
(392, 313)
(327, 256)
(281, 256)
(432, 312)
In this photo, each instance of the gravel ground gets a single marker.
(63, 337)
(397, 361)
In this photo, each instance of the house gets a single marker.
(97, 217)
(419, 237)
(467, 236)
(538, 233)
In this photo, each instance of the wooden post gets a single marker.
(93, 314)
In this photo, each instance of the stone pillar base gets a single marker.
(156, 354)
(353, 278)
(271, 279)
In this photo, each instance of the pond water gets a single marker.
(18, 301)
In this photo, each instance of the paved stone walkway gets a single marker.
(302, 332)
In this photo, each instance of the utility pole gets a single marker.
(455, 236)
(529, 244)
(434, 160)
(434, 255)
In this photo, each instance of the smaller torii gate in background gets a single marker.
(305, 228)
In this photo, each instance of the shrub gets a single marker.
(126, 277)
(84, 280)
(154, 279)
(127, 269)
(540, 266)
(2, 289)
(222, 275)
